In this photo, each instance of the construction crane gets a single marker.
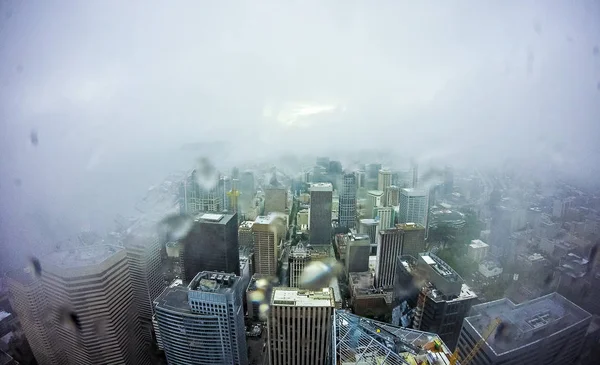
(491, 329)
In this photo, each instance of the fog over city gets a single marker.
(101, 99)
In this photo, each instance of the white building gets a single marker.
(413, 206)
(477, 250)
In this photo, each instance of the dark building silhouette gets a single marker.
(211, 245)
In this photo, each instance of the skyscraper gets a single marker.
(392, 194)
(347, 209)
(320, 213)
(299, 326)
(144, 255)
(245, 234)
(443, 300)
(194, 198)
(358, 248)
(29, 301)
(389, 247)
(203, 323)
(546, 330)
(385, 215)
(211, 245)
(413, 207)
(275, 197)
(384, 181)
(413, 238)
(94, 284)
(300, 256)
(268, 233)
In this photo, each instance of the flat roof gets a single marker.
(414, 192)
(321, 187)
(246, 224)
(526, 323)
(375, 192)
(478, 244)
(302, 298)
(213, 218)
(81, 256)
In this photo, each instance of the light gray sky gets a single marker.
(114, 88)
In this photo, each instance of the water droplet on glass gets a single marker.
(19, 68)
(37, 267)
(537, 27)
(69, 318)
(318, 274)
(176, 226)
(257, 296)
(17, 182)
(262, 283)
(33, 137)
(263, 311)
(596, 50)
(206, 174)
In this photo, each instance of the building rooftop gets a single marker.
(81, 256)
(478, 244)
(213, 218)
(375, 192)
(213, 281)
(246, 224)
(4, 315)
(413, 192)
(321, 187)
(409, 226)
(369, 221)
(302, 298)
(526, 323)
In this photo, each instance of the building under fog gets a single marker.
(83, 308)
(347, 201)
(299, 326)
(268, 232)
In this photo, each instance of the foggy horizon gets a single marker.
(116, 90)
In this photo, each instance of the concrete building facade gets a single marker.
(389, 247)
(299, 326)
(268, 233)
(94, 284)
(275, 199)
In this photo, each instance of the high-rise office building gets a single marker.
(389, 247)
(374, 200)
(385, 216)
(203, 323)
(415, 175)
(358, 248)
(245, 234)
(194, 198)
(413, 207)
(384, 181)
(299, 326)
(443, 299)
(268, 233)
(300, 256)
(320, 213)
(29, 301)
(144, 255)
(413, 238)
(392, 193)
(546, 330)
(448, 180)
(347, 209)
(275, 198)
(94, 283)
(211, 245)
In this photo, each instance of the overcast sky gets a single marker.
(114, 88)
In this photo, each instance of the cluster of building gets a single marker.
(248, 246)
